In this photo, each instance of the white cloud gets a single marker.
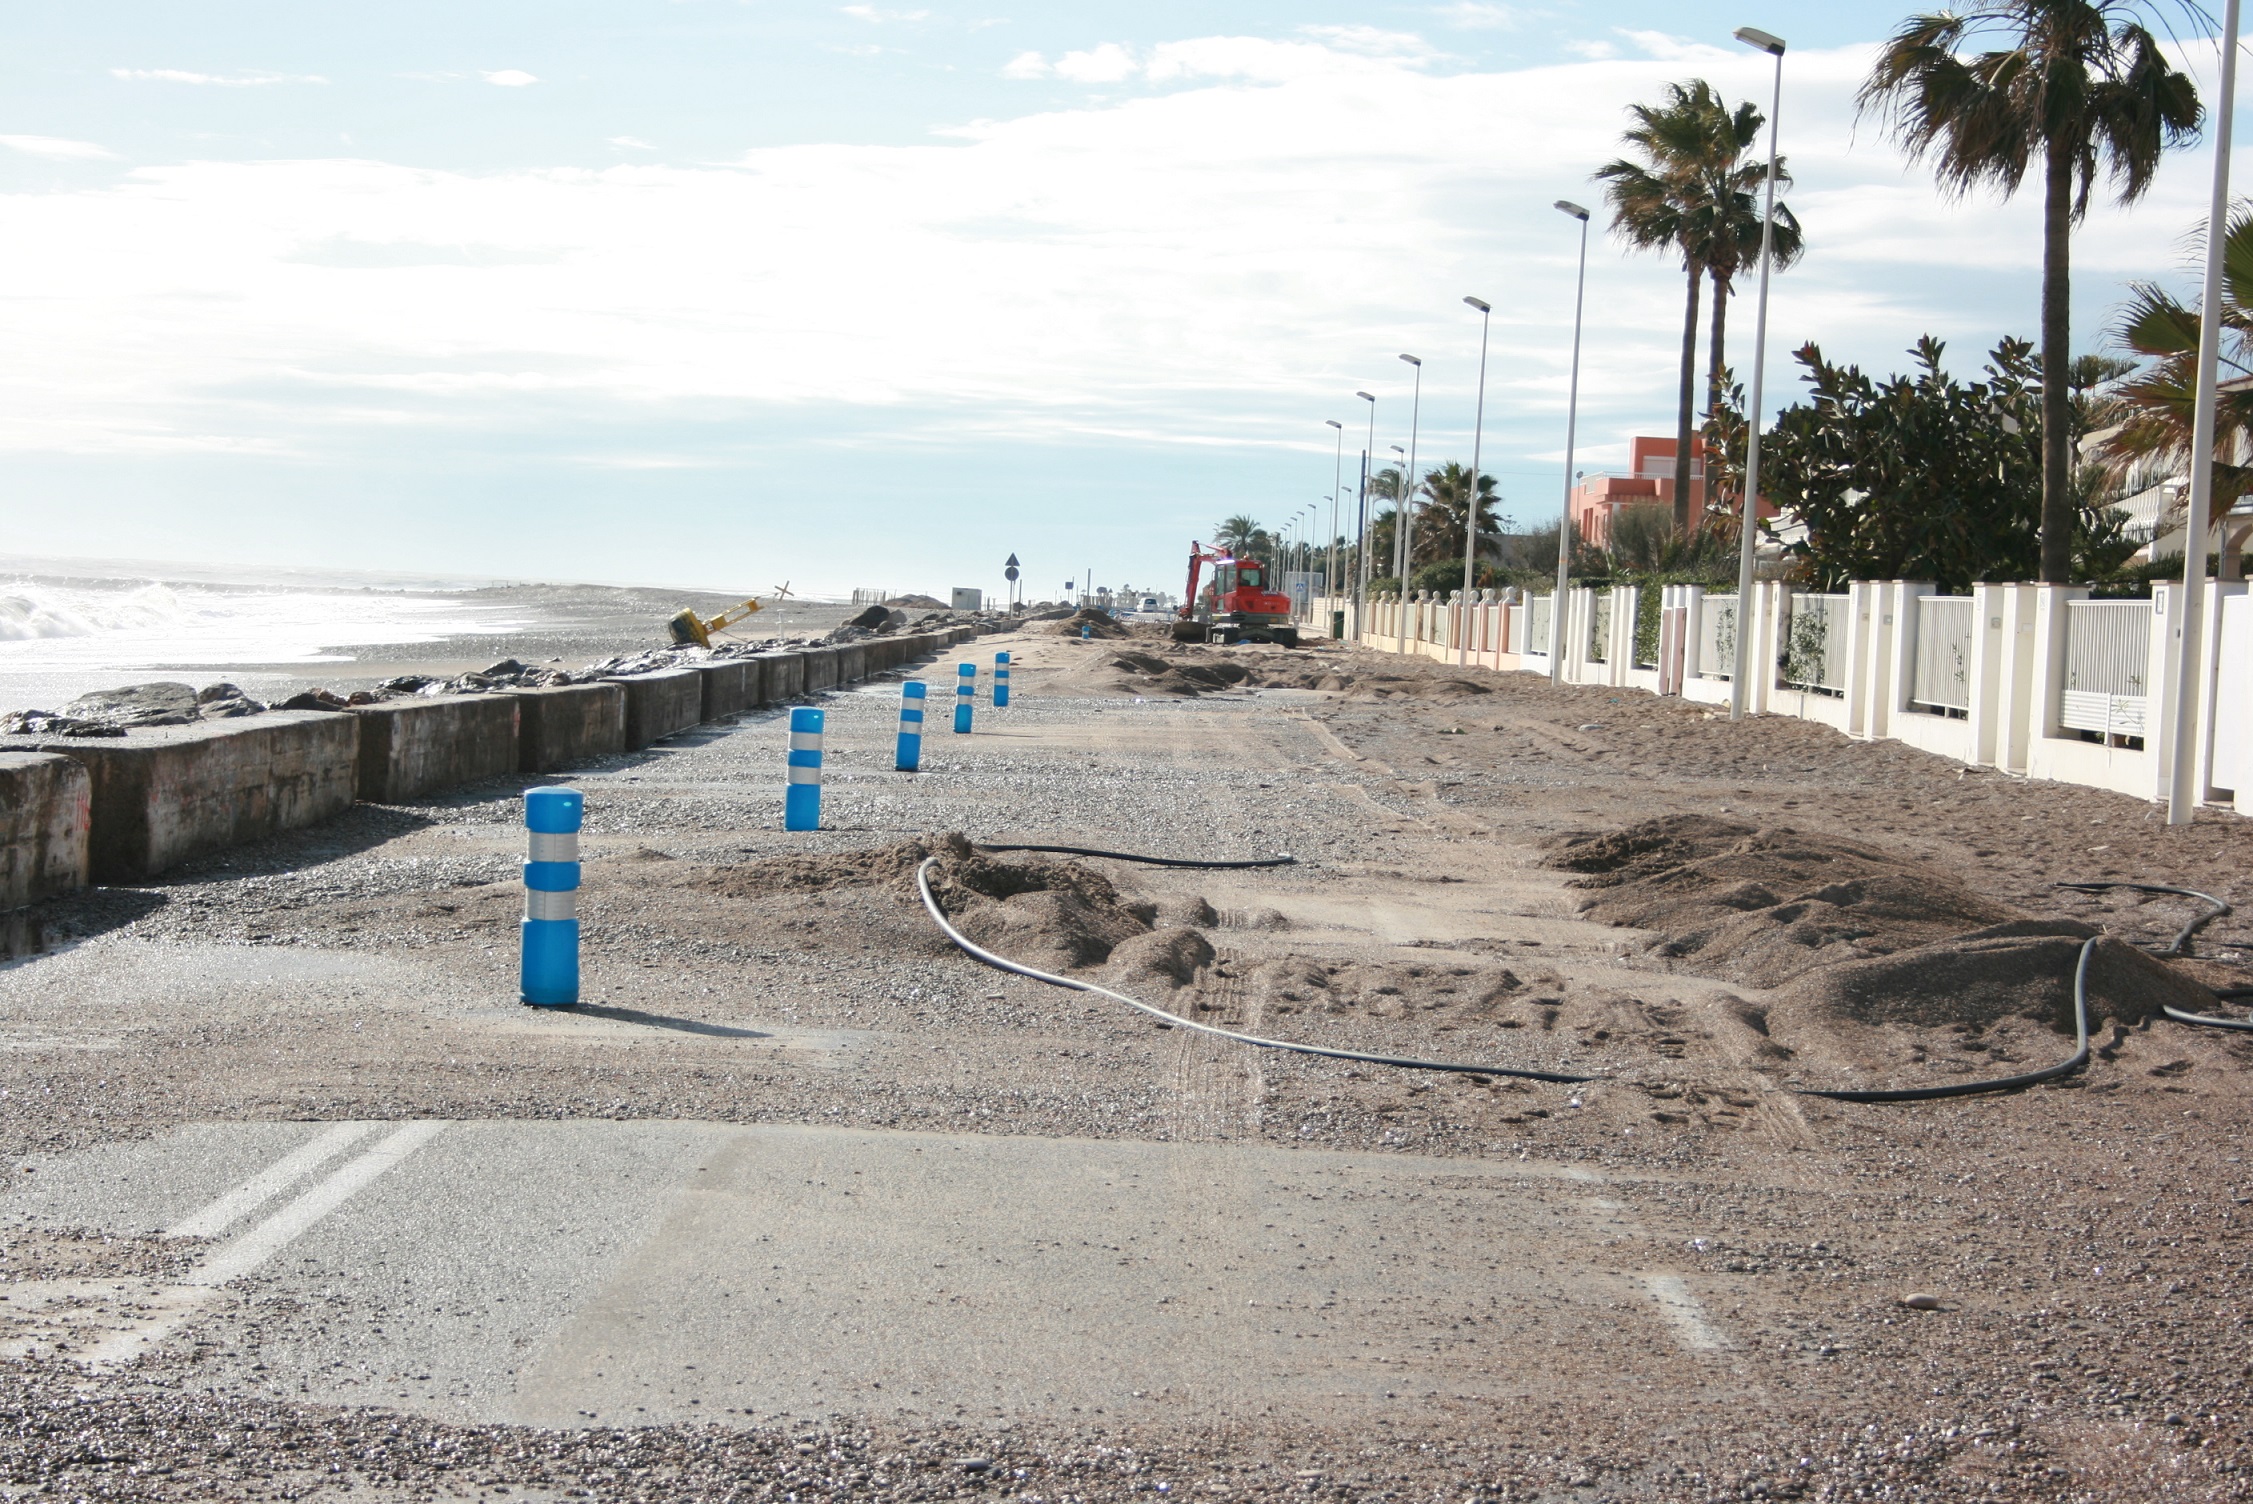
(1475, 15)
(874, 14)
(510, 78)
(1594, 49)
(60, 148)
(223, 81)
(1107, 64)
(1329, 49)
(1218, 263)
(632, 143)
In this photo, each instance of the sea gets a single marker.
(68, 627)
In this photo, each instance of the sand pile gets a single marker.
(1851, 936)
(1149, 674)
(1098, 623)
(1053, 915)
(1762, 906)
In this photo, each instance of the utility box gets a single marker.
(968, 600)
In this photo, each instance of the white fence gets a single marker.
(1814, 654)
(2107, 661)
(2031, 679)
(1943, 643)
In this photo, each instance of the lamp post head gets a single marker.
(1333, 423)
(1412, 360)
(1480, 304)
(1364, 396)
(1753, 36)
(1567, 206)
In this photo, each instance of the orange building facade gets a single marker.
(1600, 496)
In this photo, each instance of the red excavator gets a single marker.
(1237, 608)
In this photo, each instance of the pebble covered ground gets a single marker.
(2084, 1242)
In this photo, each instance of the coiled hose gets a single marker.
(1003, 963)
(969, 947)
(2180, 946)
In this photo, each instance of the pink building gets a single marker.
(1648, 481)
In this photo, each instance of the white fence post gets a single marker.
(2017, 721)
(2049, 655)
(1619, 653)
(2166, 684)
(2211, 689)
(1985, 686)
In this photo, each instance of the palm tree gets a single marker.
(1239, 535)
(1729, 236)
(1439, 521)
(2079, 84)
(1693, 194)
(2148, 418)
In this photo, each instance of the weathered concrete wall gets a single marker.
(46, 820)
(410, 747)
(821, 669)
(168, 793)
(731, 687)
(852, 662)
(785, 678)
(562, 728)
(661, 704)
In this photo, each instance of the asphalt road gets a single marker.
(635, 1273)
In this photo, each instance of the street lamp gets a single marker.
(1471, 498)
(1572, 425)
(1361, 575)
(1337, 487)
(1407, 523)
(2191, 688)
(1741, 671)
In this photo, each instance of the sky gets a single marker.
(732, 293)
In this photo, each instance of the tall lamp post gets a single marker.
(1361, 574)
(1471, 498)
(2191, 690)
(1337, 489)
(1748, 525)
(1572, 427)
(1405, 527)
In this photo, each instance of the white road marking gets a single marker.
(270, 1182)
(176, 1304)
(1682, 1309)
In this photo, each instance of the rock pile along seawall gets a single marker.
(126, 808)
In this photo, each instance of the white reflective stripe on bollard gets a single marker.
(541, 904)
(555, 846)
(805, 775)
(805, 741)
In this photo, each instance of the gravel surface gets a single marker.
(2084, 1241)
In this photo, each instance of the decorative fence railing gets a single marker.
(1537, 624)
(1815, 644)
(1717, 638)
(1599, 626)
(2107, 657)
(1941, 678)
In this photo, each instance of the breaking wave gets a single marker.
(31, 612)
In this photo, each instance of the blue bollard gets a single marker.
(965, 694)
(550, 974)
(1086, 633)
(910, 757)
(1001, 680)
(801, 802)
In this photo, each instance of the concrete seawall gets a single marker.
(126, 809)
(162, 795)
(411, 747)
(661, 704)
(562, 728)
(731, 686)
(46, 820)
